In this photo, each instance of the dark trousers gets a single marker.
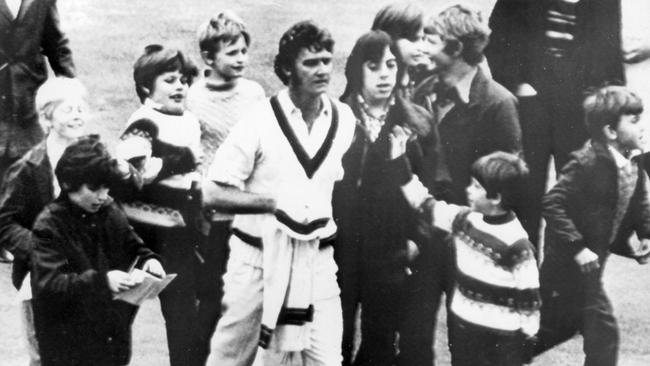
(573, 303)
(348, 258)
(424, 294)
(381, 311)
(474, 345)
(215, 251)
(178, 302)
(409, 308)
(552, 124)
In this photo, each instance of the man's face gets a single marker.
(231, 59)
(311, 72)
(90, 199)
(434, 49)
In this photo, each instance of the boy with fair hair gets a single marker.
(223, 94)
(83, 250)
(219, 100)
(600, 199)
(29, 184)
(495, 301)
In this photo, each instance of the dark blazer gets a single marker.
(516, 49)
(26, 189)
(580, 208)
(369, 208)
(24, 42)
(488, 123)
(77, 321)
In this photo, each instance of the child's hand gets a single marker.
(643, 254)
(154, 267)
(587, 260)
(119, 281)
(412, 251)
(398, 138)
(152, 167)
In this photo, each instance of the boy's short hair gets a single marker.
(399, 20)
(502, 173)
(158, 60)
(605, 106)
(86, 161)
(305, 34)
(224, 29)
(461, 25)
(54, 91)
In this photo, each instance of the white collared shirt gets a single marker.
(14, 7)
(258, 157)
(310, 140)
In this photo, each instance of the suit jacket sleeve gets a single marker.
(15, 235)
(557, 202)
(55, 44)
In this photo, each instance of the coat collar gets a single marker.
(4, 11)
(24, 7)
(38, 154)
(478, 88)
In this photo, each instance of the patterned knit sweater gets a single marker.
(496, 281)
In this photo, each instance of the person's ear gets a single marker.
(287, 72)
(496, 200)
(146, 90)
(609, 133)
(45, 122)
(453, 47)
(207, 58)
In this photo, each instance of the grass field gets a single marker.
(106, 38)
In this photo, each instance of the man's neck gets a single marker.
(309, 105)
(455, 73)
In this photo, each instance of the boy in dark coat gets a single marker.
(83, 251)
(599, 200)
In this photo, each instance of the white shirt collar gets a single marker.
(311, 140)
(464, 85)
(620, 160)
(14, 7)
(287, 104)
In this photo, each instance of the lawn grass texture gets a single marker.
(107, 36)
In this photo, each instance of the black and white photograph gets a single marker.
(324, 183)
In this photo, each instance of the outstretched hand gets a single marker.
(398, 138)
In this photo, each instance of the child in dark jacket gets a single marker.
(599, 200)
(83, 250)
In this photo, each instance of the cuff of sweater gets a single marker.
(400, 168)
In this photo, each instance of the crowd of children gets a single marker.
(292, 214)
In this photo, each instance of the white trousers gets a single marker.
(235, 342)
